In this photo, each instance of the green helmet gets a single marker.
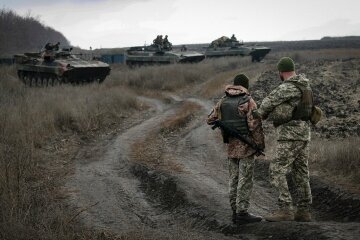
(241, 80)
(286, 64)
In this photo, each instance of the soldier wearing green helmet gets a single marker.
(289, 107)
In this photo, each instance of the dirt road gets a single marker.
(125, 197)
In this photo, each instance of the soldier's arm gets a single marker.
(255, 126)
(214, 114)
(282, 93)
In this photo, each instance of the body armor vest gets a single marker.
(230, 113)
(304, 108)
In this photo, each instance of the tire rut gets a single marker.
(108, 181)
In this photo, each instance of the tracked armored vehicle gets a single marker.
(54, 66)
(160, 52)
(225, 46)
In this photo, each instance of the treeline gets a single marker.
(341, 38)
(20, 34)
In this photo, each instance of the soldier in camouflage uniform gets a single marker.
(158, 41)
(283, 106)
(167, 44)
(235, 109)
(50, 51)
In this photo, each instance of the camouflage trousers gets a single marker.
(240, 183)
(291, 156)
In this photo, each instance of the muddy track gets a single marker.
(131, 196)
(106, 180)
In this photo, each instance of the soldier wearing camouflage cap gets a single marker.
(289, 108)
(235, 110)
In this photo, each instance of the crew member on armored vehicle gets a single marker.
(167, 46)
(162, 44)
(50, 51)
(160, 52)
(53, 66)
(225, 46)
(158, 40)
(226, 42)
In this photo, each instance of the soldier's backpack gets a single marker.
(306, 110)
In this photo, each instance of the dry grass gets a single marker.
(154, 150)
(337, 159)
(32, 123)
(215, 85)
(183, 116)
(172, 77)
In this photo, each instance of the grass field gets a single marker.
(41, 129)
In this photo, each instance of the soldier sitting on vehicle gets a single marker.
(158, 41)
(52, 47)
(155, 41)
(233, 38)
(220, 42)
(50, 51)
(166, 44)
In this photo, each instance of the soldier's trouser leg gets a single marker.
(301, 177)
(233, 181)
(241, 183)
(279, 167)
(291, 155)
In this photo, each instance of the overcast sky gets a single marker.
(111, 23)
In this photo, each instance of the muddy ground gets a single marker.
(115, 193)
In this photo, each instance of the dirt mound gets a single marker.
(163, 191)
(335, 86)
(335, 203)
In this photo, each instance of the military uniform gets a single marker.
(293, 137)
(240, 155)
(158, 41)
(166, 44)
(50, 51)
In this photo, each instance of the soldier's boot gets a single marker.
(280, 215)
(245, 217)
(303, 216)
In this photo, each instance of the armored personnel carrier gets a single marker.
(54, 66)
(225, 46)
(160, 52)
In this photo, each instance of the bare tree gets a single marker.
(20, 34)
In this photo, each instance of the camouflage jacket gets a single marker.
(236, 148)
(287, 94)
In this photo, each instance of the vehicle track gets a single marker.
(106, 179)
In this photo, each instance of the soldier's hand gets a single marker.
(211, 121)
